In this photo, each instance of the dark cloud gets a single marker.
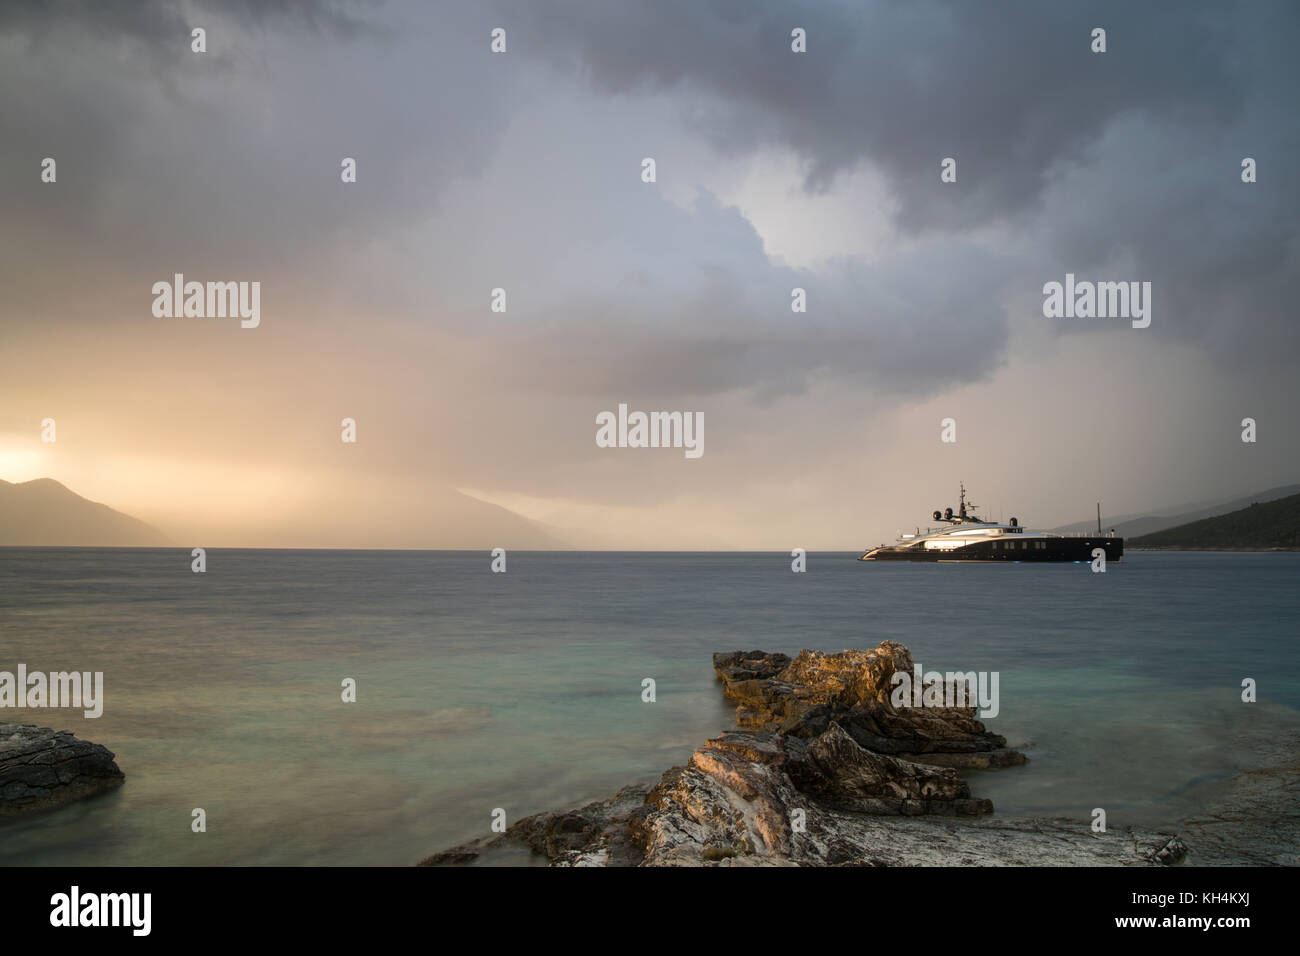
(159, 20)
(1010, 89)
(1124, 162)
(1145, 139)
(906, 327)
(229, 161)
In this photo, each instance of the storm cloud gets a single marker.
(521, 171)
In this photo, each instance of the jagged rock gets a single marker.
(740, 796)
(835, 768)
(41, 768)
(986, 760)
(803, 696)
(596, 834)
(824, 771)
(750, 665)
(691, 819)
(1175, 851)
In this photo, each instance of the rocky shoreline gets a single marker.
(822, 770)
(41, 769)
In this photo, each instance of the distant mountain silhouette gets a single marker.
(1259, 526)
(1134, 526)
(44, 513)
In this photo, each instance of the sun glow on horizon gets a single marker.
(19, 464)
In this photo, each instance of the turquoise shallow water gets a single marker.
(523, 690)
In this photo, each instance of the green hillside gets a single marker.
(1273, 525)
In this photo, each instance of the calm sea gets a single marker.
(523, 690)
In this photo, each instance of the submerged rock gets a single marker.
(823, 770)
(42, 768)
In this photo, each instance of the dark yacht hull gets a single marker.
(1003, 549)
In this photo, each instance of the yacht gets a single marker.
(964, 536)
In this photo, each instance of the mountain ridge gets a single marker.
(1137, 525)
(1260, 526)
(45, 512)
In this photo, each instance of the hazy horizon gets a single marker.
(549, 539)
(522, 171)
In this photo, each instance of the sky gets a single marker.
(523, 170)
